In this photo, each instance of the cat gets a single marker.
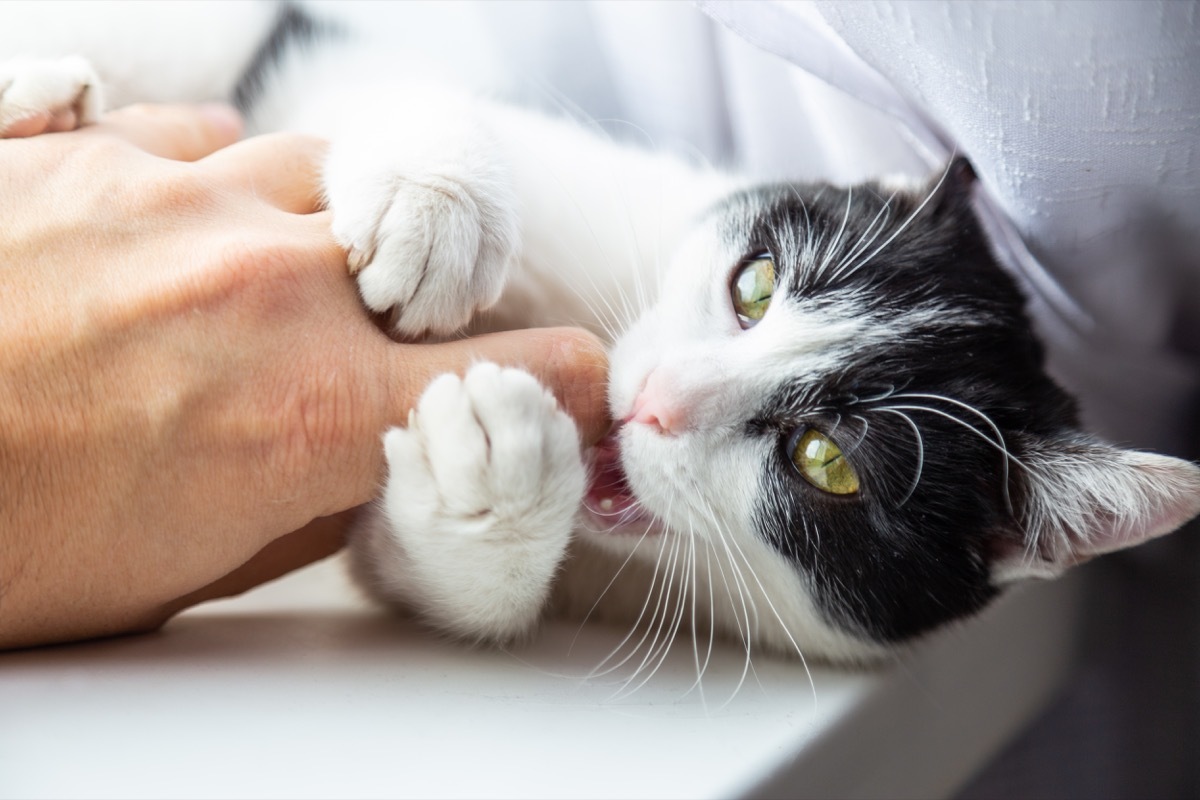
(834, 429)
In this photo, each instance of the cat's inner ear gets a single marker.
(1077, 498)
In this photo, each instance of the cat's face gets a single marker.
(838, 407)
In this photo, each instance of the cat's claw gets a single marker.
(357, 259)
(44, 95)
(483, 487)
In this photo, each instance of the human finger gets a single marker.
(570, 362)
(64, 120)
(177, 132)
(282, 168)
(33, 125)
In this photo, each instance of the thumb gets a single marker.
(570, 362)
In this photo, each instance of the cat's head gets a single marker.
(839, 396)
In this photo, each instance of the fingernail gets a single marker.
(224, 118)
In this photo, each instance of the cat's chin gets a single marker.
(609, 503)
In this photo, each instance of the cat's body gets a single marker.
(763, 339)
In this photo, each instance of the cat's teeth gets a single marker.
(606, 504)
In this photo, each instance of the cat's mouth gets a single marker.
(609, 498)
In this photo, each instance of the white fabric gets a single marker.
(1073, 114)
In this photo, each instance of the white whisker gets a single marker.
(596, 671)
(867, 238)
(861, 437)
(663, 605)
(920, 452)
(932, 193)
(774, 611)
(586, 120)
(744, 594)
(999, 442)
(611, 581)
(837, 239)
(669, 640)
(998, 445)
(695, 590)
(733, 606)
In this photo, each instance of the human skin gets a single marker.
(191, 394)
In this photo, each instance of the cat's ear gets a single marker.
(949, 190)
(1077, 498)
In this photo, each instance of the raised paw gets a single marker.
(47, 95)
(428, 218)
(482, 491)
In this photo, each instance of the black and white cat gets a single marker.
(835, 432)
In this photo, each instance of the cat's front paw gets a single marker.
(428, 218)
(482, 491)
(39, 95)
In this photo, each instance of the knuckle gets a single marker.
(577, 371)
(242, 255)
(236, 269)
(572, 358)
(266, 271)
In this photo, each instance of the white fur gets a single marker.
(482, 488)
(425, 211)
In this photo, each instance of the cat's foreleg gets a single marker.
(425, 209)
(483, 487)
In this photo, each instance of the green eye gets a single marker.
(752, 289)
(822, 464)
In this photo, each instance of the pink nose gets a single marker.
(651, 407)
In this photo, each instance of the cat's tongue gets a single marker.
(608, 494)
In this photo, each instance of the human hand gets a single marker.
(191, 395)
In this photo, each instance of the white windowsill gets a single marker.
(297, 690)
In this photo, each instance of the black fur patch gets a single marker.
(902, 555)
(293, 27)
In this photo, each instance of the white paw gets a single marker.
(482, 491)
(40, 95)
(428, 217)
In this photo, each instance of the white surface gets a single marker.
(296, 690)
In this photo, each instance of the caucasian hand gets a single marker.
(191, 395)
